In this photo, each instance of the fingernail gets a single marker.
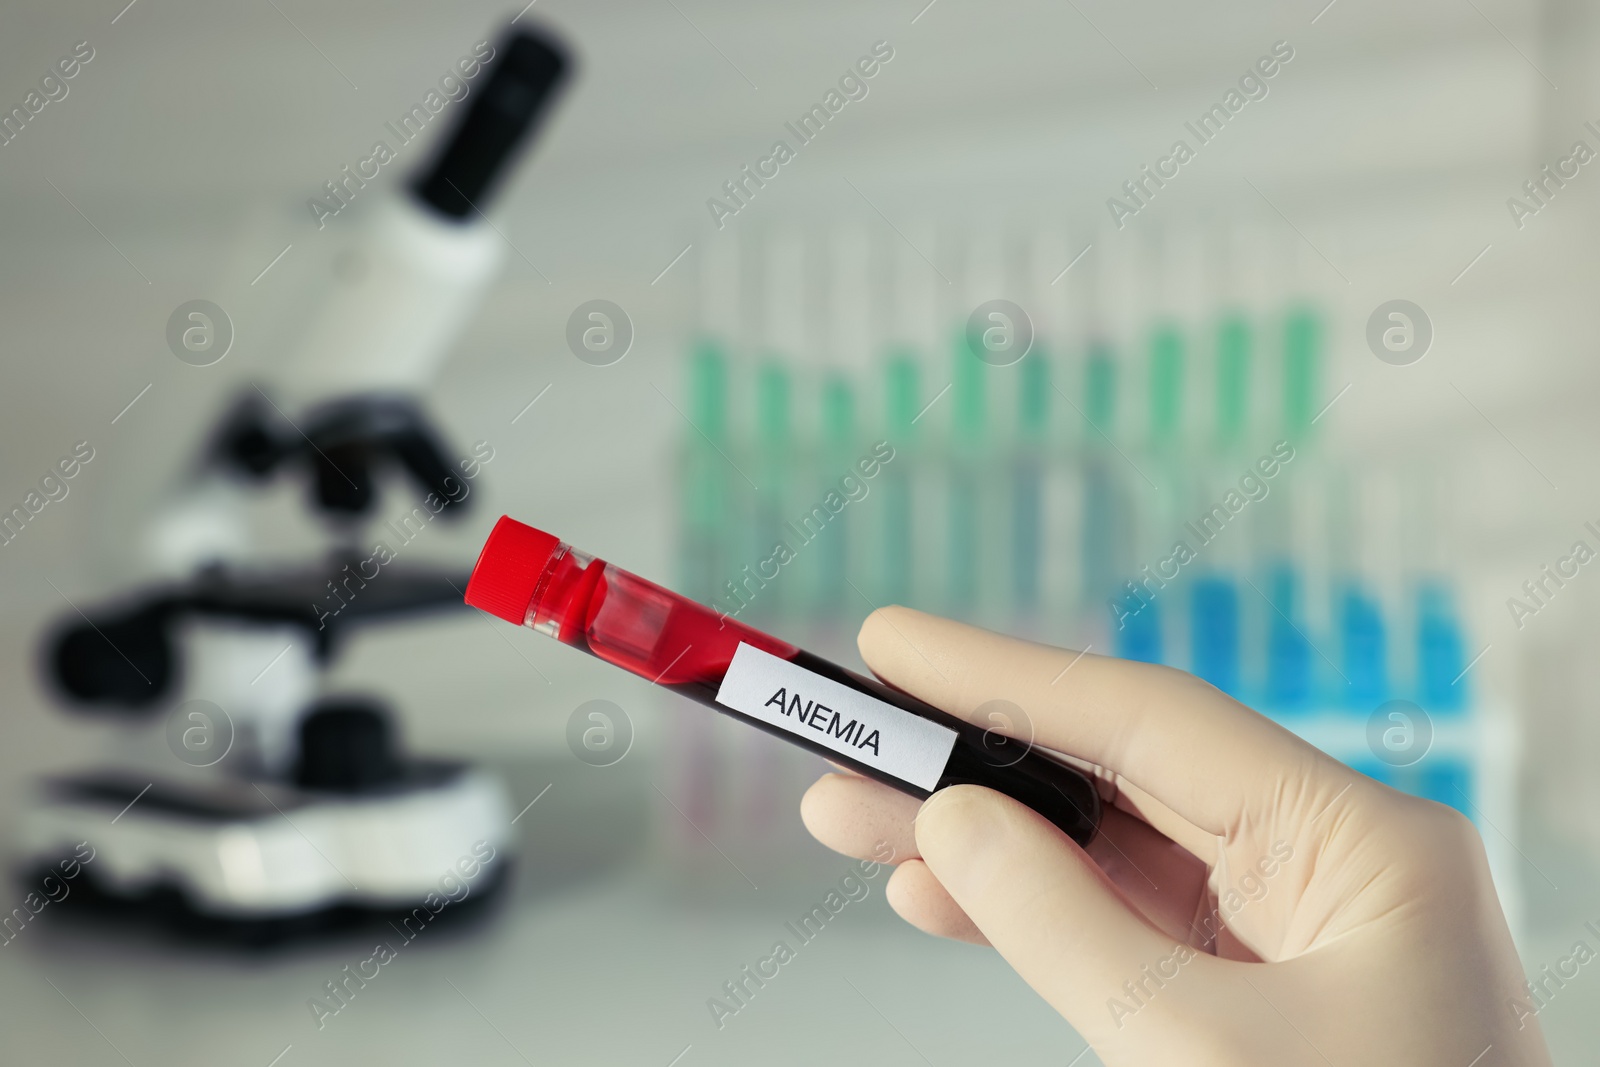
(927, 805)
(955, 828)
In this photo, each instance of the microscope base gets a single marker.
(268, 861)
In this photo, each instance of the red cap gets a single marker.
(508, 569)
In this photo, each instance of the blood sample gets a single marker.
(531, 578)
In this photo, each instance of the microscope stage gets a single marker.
(237, 851)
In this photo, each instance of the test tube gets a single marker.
(531, 578)
(783, 336)
(968, 443)
(903, 400)
(838, 441)
(1219, 606)
(1027, 481)
(1216, 618)
(910, 538)
(1030, 457)
(850, 318)
(1104, 512)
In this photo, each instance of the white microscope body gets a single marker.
(256, 801)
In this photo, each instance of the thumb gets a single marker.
(1048, 909)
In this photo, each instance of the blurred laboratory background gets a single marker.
(1249, 338)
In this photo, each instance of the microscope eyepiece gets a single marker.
(523, 81)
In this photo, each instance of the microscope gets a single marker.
(245, 796)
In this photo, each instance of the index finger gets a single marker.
(1198, 751)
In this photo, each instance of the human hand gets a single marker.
(1248, 899)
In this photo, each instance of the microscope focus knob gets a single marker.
(347, 746)
(121, 663)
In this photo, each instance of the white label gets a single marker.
(866, 729)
